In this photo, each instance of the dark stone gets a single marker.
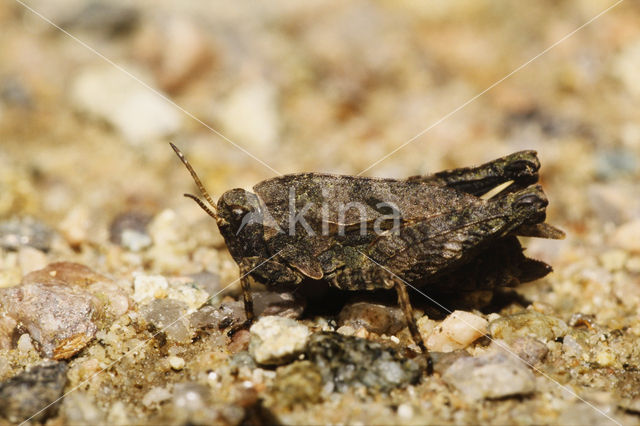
(132, 221)
(26, 231)
(283, 304)
(375, 317)
(351, 361)
(32, 394)
(218, 317)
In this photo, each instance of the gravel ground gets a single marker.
(119, 294)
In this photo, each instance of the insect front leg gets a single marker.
(245, 270)
(407, 309)
(268, 271)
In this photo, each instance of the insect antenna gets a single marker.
(211, 211)
(202, 205)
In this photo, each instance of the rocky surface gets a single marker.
(105, 265)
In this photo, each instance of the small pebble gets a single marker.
(491, 376)
(579, 319)
(346, 330)
(346, 361)
(571, 346)
(218, 317)
(149, 287)
(529, 350)
(297, 384)
(457, 331)
(24, 343)
(168, 316)
(129, 229)
(240, 341)
(31, 259)
(76, 225)
(527, 324)
(176, 362)
(276, 340)
(170, 238)
(627, 236)
(606, 358)
(405, 411)
(155, 397)
(376, 318)
(58, 317)
(282, 304)
(24, 395)
(25, 231)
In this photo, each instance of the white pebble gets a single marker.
(605, 358)
(275, 340)
(135, 240)
(627, 236)
(346, 330)
(31, 259)
(155, 396)
(457, 331)
(24, 343)
(176, 362)
(405, 411)
(148, 287)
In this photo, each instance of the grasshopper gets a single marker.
(364, 233)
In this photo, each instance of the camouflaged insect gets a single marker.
(433, 232)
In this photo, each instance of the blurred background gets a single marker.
(331, 86)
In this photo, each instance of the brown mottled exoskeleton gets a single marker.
(361, 233)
